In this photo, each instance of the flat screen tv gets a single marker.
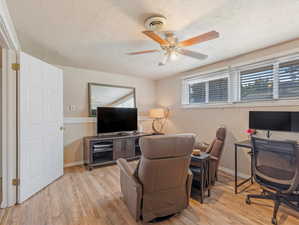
(274, 121)
(110, 119)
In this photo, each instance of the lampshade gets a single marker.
(158, 113)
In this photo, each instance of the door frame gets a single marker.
(10, 46)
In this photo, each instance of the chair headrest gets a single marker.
(163, 146)
(220, 134)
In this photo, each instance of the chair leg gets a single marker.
(276, 207)
(260, 197)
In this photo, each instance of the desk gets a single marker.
(200, 168)
(238, 145)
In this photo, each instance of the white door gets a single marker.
(40, 125)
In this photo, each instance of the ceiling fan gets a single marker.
(170, 45)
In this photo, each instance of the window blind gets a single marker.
(197, 93)
(257, 83)
(218, 90)
(289, 79)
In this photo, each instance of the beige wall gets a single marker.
(205, 121)
(76, 93)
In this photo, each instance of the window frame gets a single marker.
(233, 74)
(204, 79)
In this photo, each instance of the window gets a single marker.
(218, 90)
(289, 79)
(197, 93)
(201, 91)
(273, 79)
(257, 84)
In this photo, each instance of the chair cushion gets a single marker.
(221, 133)
(217, 148)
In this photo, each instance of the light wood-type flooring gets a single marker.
(94, 198)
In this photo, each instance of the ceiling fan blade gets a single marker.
(142, 52)
(164, 60)
(198, 39)
(155, 37)
(192, 54)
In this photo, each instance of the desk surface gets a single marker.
(244, 143)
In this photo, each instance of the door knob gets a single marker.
(62, 128)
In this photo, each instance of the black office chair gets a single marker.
(275, 167)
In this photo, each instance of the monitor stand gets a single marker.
(123, 134)
(268, 134)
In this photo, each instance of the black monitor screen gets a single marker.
(111, 119)
(278, 121)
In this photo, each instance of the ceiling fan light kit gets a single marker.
(170, 44)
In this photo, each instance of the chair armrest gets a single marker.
(214, 158)
(130, 188)
(128, 171)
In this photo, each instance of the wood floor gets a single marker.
(94, 198)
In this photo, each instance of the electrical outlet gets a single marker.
(72, 108)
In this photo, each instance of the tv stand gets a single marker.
(106, 149)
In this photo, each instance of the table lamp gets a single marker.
(159, 115)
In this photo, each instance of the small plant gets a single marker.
(251, 132)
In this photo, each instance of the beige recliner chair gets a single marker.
(161, 183)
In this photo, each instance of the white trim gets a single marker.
(195, 74)
(9, 148)
(7, 30)
(276, 80)
(232, 172)
(76, 120)
(268, 103)
(205, 77)
(282, 57)
(77, 163)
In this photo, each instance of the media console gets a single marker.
(106, 149)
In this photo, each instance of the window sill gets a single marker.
(269, 103)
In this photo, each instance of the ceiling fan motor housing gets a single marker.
(155, 23)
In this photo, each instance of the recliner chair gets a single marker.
(161, 184)
(215, 150)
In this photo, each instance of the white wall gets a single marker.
(76, 93)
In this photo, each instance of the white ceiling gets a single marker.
(96, 34)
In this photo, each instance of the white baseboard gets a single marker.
(232, 172)
(77, 163)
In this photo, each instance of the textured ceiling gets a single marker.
(96, 34)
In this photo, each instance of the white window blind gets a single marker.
(211, 89)
(289, 79)
(218, 90)
(197, 93)
(257, 84)
(271, 79)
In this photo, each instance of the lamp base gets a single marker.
(158, 133)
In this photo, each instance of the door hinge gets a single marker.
(15, 66)
(16, 181)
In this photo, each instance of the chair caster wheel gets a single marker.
(274, 221)
(248, 202)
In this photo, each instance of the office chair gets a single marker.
(275, 167)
